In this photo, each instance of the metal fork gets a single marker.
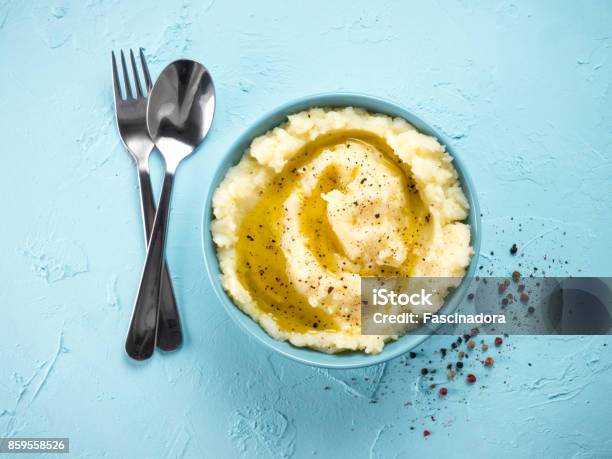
(131, 120)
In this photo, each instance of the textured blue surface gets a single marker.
(522, 89)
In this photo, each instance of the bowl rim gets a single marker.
(345, 360)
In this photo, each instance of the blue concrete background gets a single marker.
(523, 89)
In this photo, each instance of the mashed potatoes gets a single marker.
(328, 197)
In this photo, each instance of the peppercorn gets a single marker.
(471, 378)
(530, 309)
(498, 341)
(513, 249)
(443, 391)
(426, 433)
(471, 344)
(413, 355)
(459, 365)
(424, 371)
(524, 297)
(488, 362)
(451, 374)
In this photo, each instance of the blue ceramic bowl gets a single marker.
(279, 116)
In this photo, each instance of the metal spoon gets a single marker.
(179, 114)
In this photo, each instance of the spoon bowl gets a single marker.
(181, 108)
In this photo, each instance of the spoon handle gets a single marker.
(169, 334)
(140, 342)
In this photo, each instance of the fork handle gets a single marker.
(140, 342)
(169, 334)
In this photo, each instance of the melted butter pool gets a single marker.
(261, 263)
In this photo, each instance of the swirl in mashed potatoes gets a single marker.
(328, 197)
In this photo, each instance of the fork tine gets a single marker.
(136, 75)
(126, 78)
(145, 70)
(116, 86)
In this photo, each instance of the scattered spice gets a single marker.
(471, 344)
(426, 433)
(498, 341)
(451, 374)
(459, 365)
(443, 391)
(489, 362)
(513, 249)
(516, 276)
(471, 378)
(412, 355)
(524, 297)
(485, 347)
(424, 371)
